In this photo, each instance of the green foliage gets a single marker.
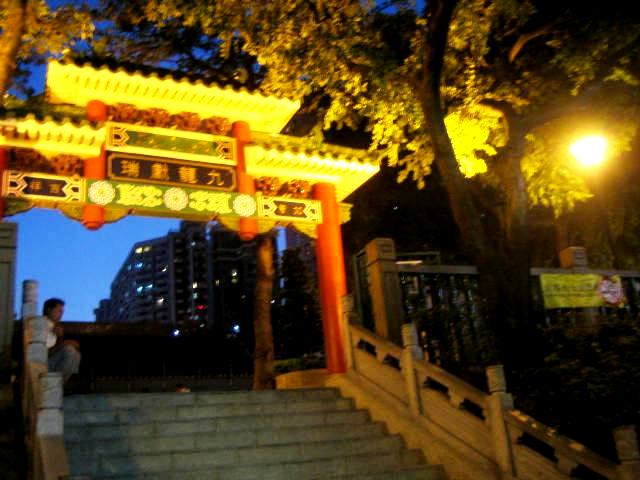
(587, 383)
(48, 31)
(127, 37)
(54, 30)
(375, 60)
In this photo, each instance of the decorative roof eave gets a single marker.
(290, 158)
(77, 85)
(49, 137)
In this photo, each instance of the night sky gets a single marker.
(74, 263)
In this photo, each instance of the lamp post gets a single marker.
(591, 152)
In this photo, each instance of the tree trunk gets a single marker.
(263, 363)
(517, 257)
(561, 230)
(12, 31)
(494, 270)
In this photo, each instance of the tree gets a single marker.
(264, 352)
(30, 31)
(297, 324)
(473, 89)
(462, 86)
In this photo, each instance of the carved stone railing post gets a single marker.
(566, 465)
(410, 354)
(29, 299)
(628, 453)
(37, 342)
(348, 312)
(500, 401)
(50, 417)
(34, 346)
(384, 288)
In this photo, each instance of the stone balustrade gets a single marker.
(473, 434)
(42, 393)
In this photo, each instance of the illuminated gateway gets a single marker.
(159, 146)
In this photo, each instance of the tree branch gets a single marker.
(526, 38)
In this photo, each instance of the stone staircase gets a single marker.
(252, 435)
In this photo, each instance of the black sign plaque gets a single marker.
(144, 169)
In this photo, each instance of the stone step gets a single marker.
(335, 451)
(137, 415)
(100, 402)
(171, 442)
(396, 465)
(424, 472)
(222, 425)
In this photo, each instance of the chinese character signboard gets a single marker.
(42, 186)
(162, 171)
(285, 208)
(164, 142)
(581, 290)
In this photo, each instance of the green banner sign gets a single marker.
(581, 290)
(167, 143)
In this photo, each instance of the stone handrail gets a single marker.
(42, 393)
(452, 386)
(569, 453)
(480, 430)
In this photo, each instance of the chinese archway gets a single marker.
(167, 147)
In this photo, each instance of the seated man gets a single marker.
(64, 355)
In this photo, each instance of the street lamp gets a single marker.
(589, 151)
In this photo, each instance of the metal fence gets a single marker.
(444, 302)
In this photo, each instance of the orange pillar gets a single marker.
(4, 164)
(241, 132)
(331, 275)
(95, 168)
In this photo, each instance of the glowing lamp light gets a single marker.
(176, 333)
(589, 151)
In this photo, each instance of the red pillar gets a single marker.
(95, 168)
(4, 164)
(331, 275)
(240, 130)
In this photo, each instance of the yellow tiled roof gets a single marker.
(48, 136)
(291, 158)
(78, 84)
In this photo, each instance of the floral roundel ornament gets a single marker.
(244, 205)
(102, 192)
(176, 199)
